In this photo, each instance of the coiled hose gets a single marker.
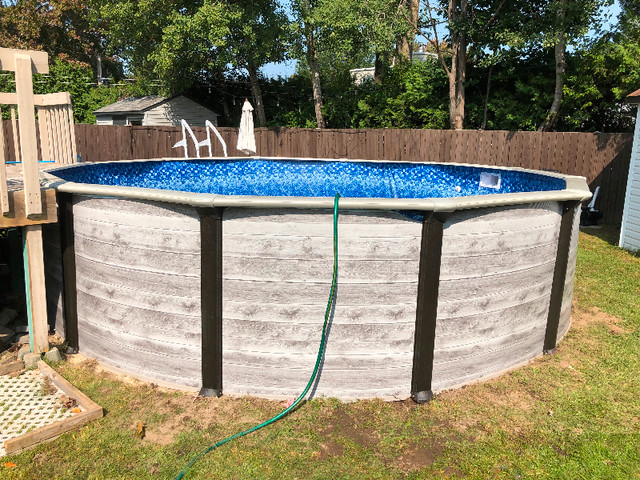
(297, 401)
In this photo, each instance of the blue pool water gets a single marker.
(309, 178)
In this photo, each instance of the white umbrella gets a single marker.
(246, 138)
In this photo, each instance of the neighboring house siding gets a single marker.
(104, 120)
(172, 111)
(630, 233)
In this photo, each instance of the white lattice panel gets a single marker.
(24, 406)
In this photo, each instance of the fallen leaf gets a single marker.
(76, 410)
(10, 465)
(140, 430)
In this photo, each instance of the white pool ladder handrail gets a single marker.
(206, 142)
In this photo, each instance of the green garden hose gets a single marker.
(297, 401)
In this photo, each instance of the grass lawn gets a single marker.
(573, 415)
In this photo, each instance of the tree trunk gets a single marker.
(226, 111)
(377, 68)
(404, 44)
(458, 73)
(257, 94)
(486, 99)
(561, 66)
(312, 58)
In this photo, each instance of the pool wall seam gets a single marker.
(427, 306)
(559, 276)
(211, 299)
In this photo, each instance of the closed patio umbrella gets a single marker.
(246, 137)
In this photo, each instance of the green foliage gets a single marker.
(75, 77)
(171, 47)
(68, 76)
(410, 96)
(56, 26)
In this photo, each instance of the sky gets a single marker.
(288, 68)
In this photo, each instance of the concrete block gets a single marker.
(31, 359)
(23, 351)
(53, 355)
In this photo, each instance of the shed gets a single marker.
(630, 232)
(155, 110)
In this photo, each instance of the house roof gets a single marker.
(633, 97)
(132, 105)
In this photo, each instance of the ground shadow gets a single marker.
(607, 233)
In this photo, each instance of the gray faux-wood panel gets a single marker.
(370, 343)
(138, 275)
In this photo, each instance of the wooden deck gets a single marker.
(17, 216)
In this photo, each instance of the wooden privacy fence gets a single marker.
(603, 158)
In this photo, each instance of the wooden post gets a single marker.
(4, 191)
(427, 307)
(43, 130)
(14, 133)
(28, 137)
(559, 276)
(35, 288)
(211, 300)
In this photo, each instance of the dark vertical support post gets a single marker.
(559, 276)
(67, 246)
(211, 300)
(427, 307)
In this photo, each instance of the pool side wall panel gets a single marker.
(495, 284)
(277, 279)
(138, 284)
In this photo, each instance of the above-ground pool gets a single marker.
(215, 274)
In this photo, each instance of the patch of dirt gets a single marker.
(330, 448)
(341, 423)
(584, 318)
(160, 435)
(185, 412)
(421, 455)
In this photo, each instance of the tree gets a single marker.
(602, 73)
(173, 42)
(308, 31)
(564, 23)
(380, 28)
(470, 26)
(409, 11)
(67, 27)
(258, 35)
(189, 42)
